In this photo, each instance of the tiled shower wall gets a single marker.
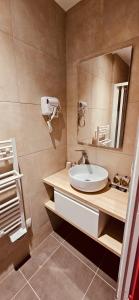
(95, 27)
(32, 64)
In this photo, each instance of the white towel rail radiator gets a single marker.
(12, 216)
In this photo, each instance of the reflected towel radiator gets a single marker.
(102, 135)
(12, 216)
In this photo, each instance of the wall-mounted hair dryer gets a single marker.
(50, 107)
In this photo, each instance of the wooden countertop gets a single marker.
(111, 201)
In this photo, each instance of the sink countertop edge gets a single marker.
(110, 201)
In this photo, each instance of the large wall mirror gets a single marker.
(102, 98)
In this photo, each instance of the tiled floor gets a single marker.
(66, 266)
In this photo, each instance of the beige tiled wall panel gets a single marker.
(40, 24)
(35, 167)
(112, 162)
(32, 43)
(38, 74)
(84, 29)
(8, 79)
(95, 28)
(5, 16)
(32, 64)
(26, 123)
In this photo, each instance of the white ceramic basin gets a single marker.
(88, 178)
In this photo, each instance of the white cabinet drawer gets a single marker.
(79, 215)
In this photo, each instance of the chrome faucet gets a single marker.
(84, 158)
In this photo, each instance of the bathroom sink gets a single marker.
(88, 178)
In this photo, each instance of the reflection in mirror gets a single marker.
(103, 91)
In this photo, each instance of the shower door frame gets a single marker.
(130, 238)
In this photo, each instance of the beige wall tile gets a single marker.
(40, 24)
(72, 84)
(94, 66)
(132, 120)
(74, 156)
(95, 87)
(72, 125)
(83, 43)
(8, 85)
(5, 16)
(101, 93)
(38, 75)
(134, 86)
(120, 70)
(85, 133)
(91, 26)
(35, 167)
(84, 30)
(113, 161)
(32, 64)
(26, 123)
(84, 86)
(124, 25)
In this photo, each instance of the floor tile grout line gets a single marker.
(106, 282)
(30, 285)
(93, 277)
(27, 282)
(10, 272)
(60, 244)
(56, 238)
(90, 283)
(72, 252)
(19, 291)
(34, 291)
(47, 259)
(35, 248)
(5, 277)
(101, 276)
(96, 273)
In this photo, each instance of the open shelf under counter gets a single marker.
(110, 201)
(110, 238)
